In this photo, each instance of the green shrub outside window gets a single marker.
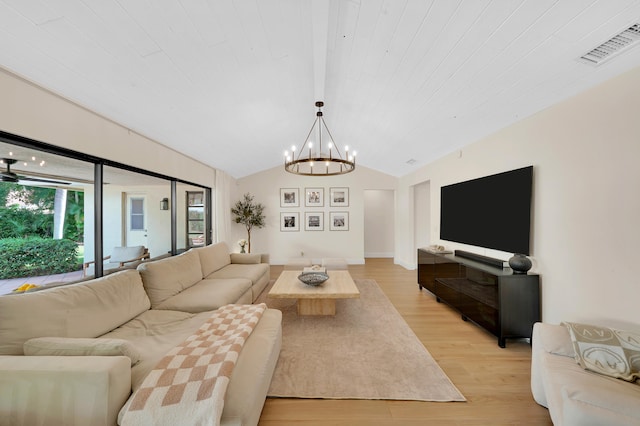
(34, 256)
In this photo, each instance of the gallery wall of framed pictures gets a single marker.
(314, 219)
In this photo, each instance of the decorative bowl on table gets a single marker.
(313, 278)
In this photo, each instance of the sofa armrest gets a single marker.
(55, 390)
(546, 339)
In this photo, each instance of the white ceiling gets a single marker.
(233, 83)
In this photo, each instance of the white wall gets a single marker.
(30, 111)
(265, 186)
(422, 215)
(379, 223)
(586, 234)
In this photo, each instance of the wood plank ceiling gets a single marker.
(233, 83)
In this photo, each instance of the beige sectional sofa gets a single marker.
(73, 354)
(573, 395)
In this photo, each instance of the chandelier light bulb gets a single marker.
(355, 153)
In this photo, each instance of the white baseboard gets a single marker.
(406, 265)
(318, 261)
(379, 254)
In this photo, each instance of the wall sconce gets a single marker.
(164, 204)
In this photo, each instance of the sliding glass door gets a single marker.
(65, 215)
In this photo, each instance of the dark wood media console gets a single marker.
(505, 304)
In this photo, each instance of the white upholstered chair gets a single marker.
(120, 258)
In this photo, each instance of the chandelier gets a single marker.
(318, 156)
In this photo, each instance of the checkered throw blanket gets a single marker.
(188, 385)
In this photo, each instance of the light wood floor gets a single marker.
(494, 381)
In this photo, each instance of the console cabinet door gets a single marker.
(426, 270)
(520, 304)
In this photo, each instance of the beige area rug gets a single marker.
(366, 351)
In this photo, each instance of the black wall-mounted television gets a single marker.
(491, 212)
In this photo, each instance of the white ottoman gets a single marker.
(335, 264)
(297, 264)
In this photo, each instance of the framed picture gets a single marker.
(314, 221)
(289, 221)
(289, 197)
(314, 197)
(339, 221)
(339, 197)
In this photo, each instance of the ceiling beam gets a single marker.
(320, 27)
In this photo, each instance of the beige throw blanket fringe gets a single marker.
(189, 383)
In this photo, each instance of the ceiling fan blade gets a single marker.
(55, 182)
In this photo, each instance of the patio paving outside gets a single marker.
(7, 286)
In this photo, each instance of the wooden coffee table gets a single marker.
(320, 300)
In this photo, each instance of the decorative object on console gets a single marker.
(520, 263)
(319, 160)
(313, 278)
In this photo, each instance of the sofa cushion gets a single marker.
(614, 353)
(154, 333)
(165, 278)
(78, 346)
(558, 372)
(87, 309)
(207, 295)
(213, 257)
(556, 340)
(245, 258)
(600, 405)
(255, 272)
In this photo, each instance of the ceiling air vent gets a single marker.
(613, 46)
